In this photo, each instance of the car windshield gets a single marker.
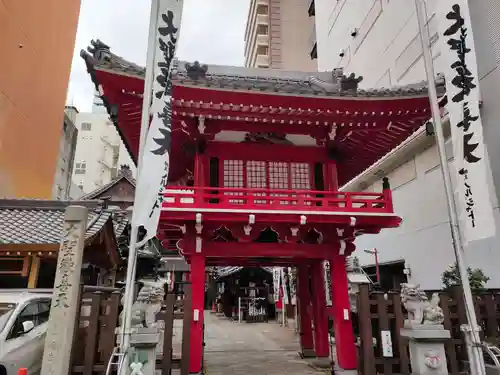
(5, 312)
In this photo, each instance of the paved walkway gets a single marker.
(258, 348)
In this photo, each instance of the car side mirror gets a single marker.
(28, 325)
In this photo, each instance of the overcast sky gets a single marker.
(212, 32)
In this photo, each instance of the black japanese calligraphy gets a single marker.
(160, 198)
(463, 80)
(468, 118)
(469, 198)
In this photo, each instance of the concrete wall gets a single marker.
(386, 52)
(37, 39)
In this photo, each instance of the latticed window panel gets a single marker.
(233, 178)
(271, 175)
(300, 177)
(279, 178)
(256, 173)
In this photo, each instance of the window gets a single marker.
(262, 9)
(262, 29)
(263, 67)
(44, 310)
(86, 126)
(29, 313)
(80, 168)
(262, 50)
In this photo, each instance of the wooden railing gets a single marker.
(95, 334)
(378, 311)
(176, 198)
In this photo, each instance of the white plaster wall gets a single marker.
(92, 149)
(386, 52)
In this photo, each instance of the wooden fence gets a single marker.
(98, 318)
(377, 311)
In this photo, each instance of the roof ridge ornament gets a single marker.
(196, 71)
(99, 50)
(340, 82)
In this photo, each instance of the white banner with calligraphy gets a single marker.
(156, 156)
(462, 87)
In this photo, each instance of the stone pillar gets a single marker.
(321, 340)
(197, 277)
(143, 343)
(344, 334)
(304, 301)
(427, 354)
(62, 320)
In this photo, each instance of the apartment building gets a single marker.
(278, 35)
(99, 152)
(378, 39)
(62, 188)
(37, 39)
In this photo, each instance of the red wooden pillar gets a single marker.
(197, 278)
(344, 334)
(321, 344)
(304, 296)
(331, 178)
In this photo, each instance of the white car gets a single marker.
(23, 325)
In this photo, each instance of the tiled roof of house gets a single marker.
(95, 193)
(24, 221)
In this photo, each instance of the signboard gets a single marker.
(386, 343)
(276, 283)
(283, 286)
(462, 88)
(328, 282)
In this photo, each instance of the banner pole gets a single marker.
(477, 360)
(146, 105)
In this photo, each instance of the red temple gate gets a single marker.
(266, 152)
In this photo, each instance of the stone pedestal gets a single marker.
(427, 352)
(143, 342)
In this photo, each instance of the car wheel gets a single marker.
(3, 370)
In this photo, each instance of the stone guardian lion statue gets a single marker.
(420, 309)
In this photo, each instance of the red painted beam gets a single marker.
(264, 250)
(260, 151)
(373, 120)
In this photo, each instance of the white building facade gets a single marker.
(378, 39)
(99, 151)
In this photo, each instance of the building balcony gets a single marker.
(262, 39)
(277, 205)
(262, 19)
(262, 60)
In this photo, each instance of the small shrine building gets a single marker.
(266, 152)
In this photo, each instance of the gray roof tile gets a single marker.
(329, 84)
(41, 222)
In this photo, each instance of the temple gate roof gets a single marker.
(320, 109)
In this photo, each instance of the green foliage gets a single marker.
(477, 278)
